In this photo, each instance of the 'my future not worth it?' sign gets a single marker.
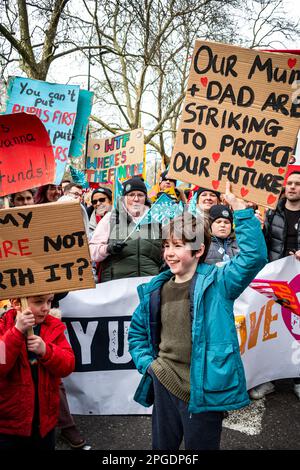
(240, 120)
(43, 248)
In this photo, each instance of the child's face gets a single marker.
(40, 306)
(221, 228)
(178, 256)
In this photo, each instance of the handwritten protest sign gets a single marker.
(55, 105)
(26, 156)
(239, 122)
(124, 151)
(43, 249)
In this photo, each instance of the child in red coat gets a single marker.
(31, 368)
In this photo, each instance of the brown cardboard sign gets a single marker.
(43, 249)
(240, 120)
(123, 151)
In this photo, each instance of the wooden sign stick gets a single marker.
(24, 303)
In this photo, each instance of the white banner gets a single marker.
(98, 321)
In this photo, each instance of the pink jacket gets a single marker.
(98, 242)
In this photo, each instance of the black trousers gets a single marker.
(34, 442)
(172, 422)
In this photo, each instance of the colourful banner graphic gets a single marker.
(55, 105)
(279, 291)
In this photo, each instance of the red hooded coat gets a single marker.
(16, 385)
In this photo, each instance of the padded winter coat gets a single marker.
(276, 231)
(17, 391)
(142, 255)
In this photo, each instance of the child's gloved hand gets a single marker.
(115, 248)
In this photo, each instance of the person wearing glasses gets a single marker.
(124, 243)
(74, 190)
(101, 201)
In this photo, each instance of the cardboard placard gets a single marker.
(43, 249)
(240, 120)
(56, 106)
(124, 151)
(26, 156)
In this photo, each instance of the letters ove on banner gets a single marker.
(240, 121)
(38, 255)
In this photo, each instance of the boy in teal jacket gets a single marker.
(182, 336)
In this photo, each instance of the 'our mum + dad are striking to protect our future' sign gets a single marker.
(239, 122)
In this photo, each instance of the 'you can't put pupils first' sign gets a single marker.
(240, 120)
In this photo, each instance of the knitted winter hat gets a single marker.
(164, 177)
(220, 211)
(101, 190)
(134, 184)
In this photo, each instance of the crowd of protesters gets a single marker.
(238, 241)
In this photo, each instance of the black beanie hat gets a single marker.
(202, 190)
(163, 177)
(220, 211)
(101, 190)
(134, 184)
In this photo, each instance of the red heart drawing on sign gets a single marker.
(244, 192)
(215, 184)
(250, 163)
(292, 63)
(271, 199)
(281, 171)
(216, 156)
(204, 81)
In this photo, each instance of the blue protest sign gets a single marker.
(84, 108)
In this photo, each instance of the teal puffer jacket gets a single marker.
(217, 377)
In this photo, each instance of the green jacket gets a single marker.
(141, 257)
